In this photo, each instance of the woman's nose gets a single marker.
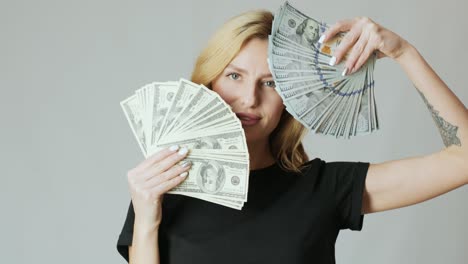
(250, 95)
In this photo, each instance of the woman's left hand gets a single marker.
(364, 37)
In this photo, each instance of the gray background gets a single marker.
(66, 146)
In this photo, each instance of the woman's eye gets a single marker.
(270, 84)
(234, 76)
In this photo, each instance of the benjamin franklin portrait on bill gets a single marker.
(211, 177)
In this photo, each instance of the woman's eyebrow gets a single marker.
(241, 70)
(265, 75)
(236, 68)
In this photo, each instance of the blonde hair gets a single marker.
(286, 139)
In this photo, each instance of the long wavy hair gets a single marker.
(286, 139)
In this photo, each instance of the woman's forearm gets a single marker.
(145, 248)
(448, 112)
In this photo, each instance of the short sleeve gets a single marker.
(126, 235)
(348, 186)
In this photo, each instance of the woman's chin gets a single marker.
(253, 139)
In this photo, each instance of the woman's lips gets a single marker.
(248, 119)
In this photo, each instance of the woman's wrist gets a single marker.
(144, 228)
(145, 234)
(407, 53)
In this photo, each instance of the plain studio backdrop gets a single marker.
(66, 146)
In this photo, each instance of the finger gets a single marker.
(167, 185)
(340, 26)
(165, 164)
(368, 50)
(348, 41)
(167, 175)
(158, 156)
(356, 52)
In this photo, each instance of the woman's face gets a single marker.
(247, 85)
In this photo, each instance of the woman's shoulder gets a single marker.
(335, 177)
(311, 164)
(321, 166)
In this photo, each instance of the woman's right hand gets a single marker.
(151, 179)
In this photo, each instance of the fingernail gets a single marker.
(344, 72)
(183, 174)
(186, 163)
(332, 61)
(322, 38)
(183, 151)
(174, 148)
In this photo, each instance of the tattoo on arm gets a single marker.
(447, 130)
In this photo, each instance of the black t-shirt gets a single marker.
(288, 218)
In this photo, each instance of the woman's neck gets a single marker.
(260, 154)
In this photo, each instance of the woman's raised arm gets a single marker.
(399, 183)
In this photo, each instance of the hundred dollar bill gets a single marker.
(214, 106)
(318, 94)
(202, 98)
(216, 178)
(162, 114)
(224, 141)
(185, 92)
(225, 156)
(225, 202)
(163, 94)
(132, 111)
(219, 122)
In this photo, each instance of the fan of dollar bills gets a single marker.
(162, 114)
(322, 97)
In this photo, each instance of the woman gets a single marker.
(296, 207)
